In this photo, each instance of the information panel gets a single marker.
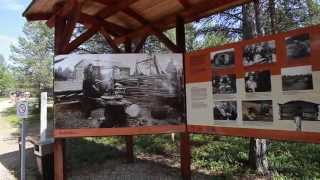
(271, 82)
(118, 90)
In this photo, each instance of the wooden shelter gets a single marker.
(121, 21)
(127, 22)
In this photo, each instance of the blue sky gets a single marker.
(11, 23)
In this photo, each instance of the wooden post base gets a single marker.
(185, 156)
(129, 146)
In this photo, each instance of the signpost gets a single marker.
(22, 112)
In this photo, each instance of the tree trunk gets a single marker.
(272, 10)
(258, 147)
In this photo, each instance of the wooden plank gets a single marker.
(180, 34)
(310, 137)
(112, 10)
(107, 37)
(58, 147)
(79, 40)
(128, 46)
(58, 35)
(100, 132)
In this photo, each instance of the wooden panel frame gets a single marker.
(282, 135)
(239, 69)
(102, 132)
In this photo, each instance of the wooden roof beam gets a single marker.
(66, 9)
(108, 38)
(111, 10)
(185, 3)
(79, 40)
(71, 24)
(190, 14)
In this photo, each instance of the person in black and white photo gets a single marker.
(297, 78)
(222, 59)
(258, 81)
(298, 46)
(260, 53)
(225, 84)
(225, 110)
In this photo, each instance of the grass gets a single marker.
(220, 156)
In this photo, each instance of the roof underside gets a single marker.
(133, 16)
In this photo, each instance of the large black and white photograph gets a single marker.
(224, 84)
(258, 81)
(259, 53)
(223, 58)
(298, 46)
(118, 90)
(260, 110)
(297, 78)
(225, 110)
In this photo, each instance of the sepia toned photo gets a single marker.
(258, 81)
(297, 78)
(225, 110)
(260, 110)
(298, 46)
(224, 84)
(118, 90)
(223, 58)
(260, 53)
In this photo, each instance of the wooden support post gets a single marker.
(129, 145)
(58, 149)
(185, 148)
(129, 139)
(59, 144)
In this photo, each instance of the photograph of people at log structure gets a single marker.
(109, 91)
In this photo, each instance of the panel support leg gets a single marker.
(185, 156)
(129, 146)
(58, 150)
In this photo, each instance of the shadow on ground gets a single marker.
(91, 160)
(11, 162)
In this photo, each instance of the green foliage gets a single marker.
(32, 58)
(156, 144)
(6, 78)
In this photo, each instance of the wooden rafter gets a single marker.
(140, 44)
(154, 30)
(79, 40)
(71, 23)
(66, 9)
(185, 3)
(111, 10)
(193, 13)
(107, 37)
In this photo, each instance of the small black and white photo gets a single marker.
(297, 78)
(298, 46)
(305, 110)
(259, 53)
(225, 110)
(224, 84)
(258, 81)
(223, 59)
(260, 110)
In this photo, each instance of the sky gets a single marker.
(11, 23)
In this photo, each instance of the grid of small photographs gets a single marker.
(256, 95)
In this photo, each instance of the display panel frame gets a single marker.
(198, 125)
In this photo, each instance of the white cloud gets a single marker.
(5, 42)
(13, 5)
